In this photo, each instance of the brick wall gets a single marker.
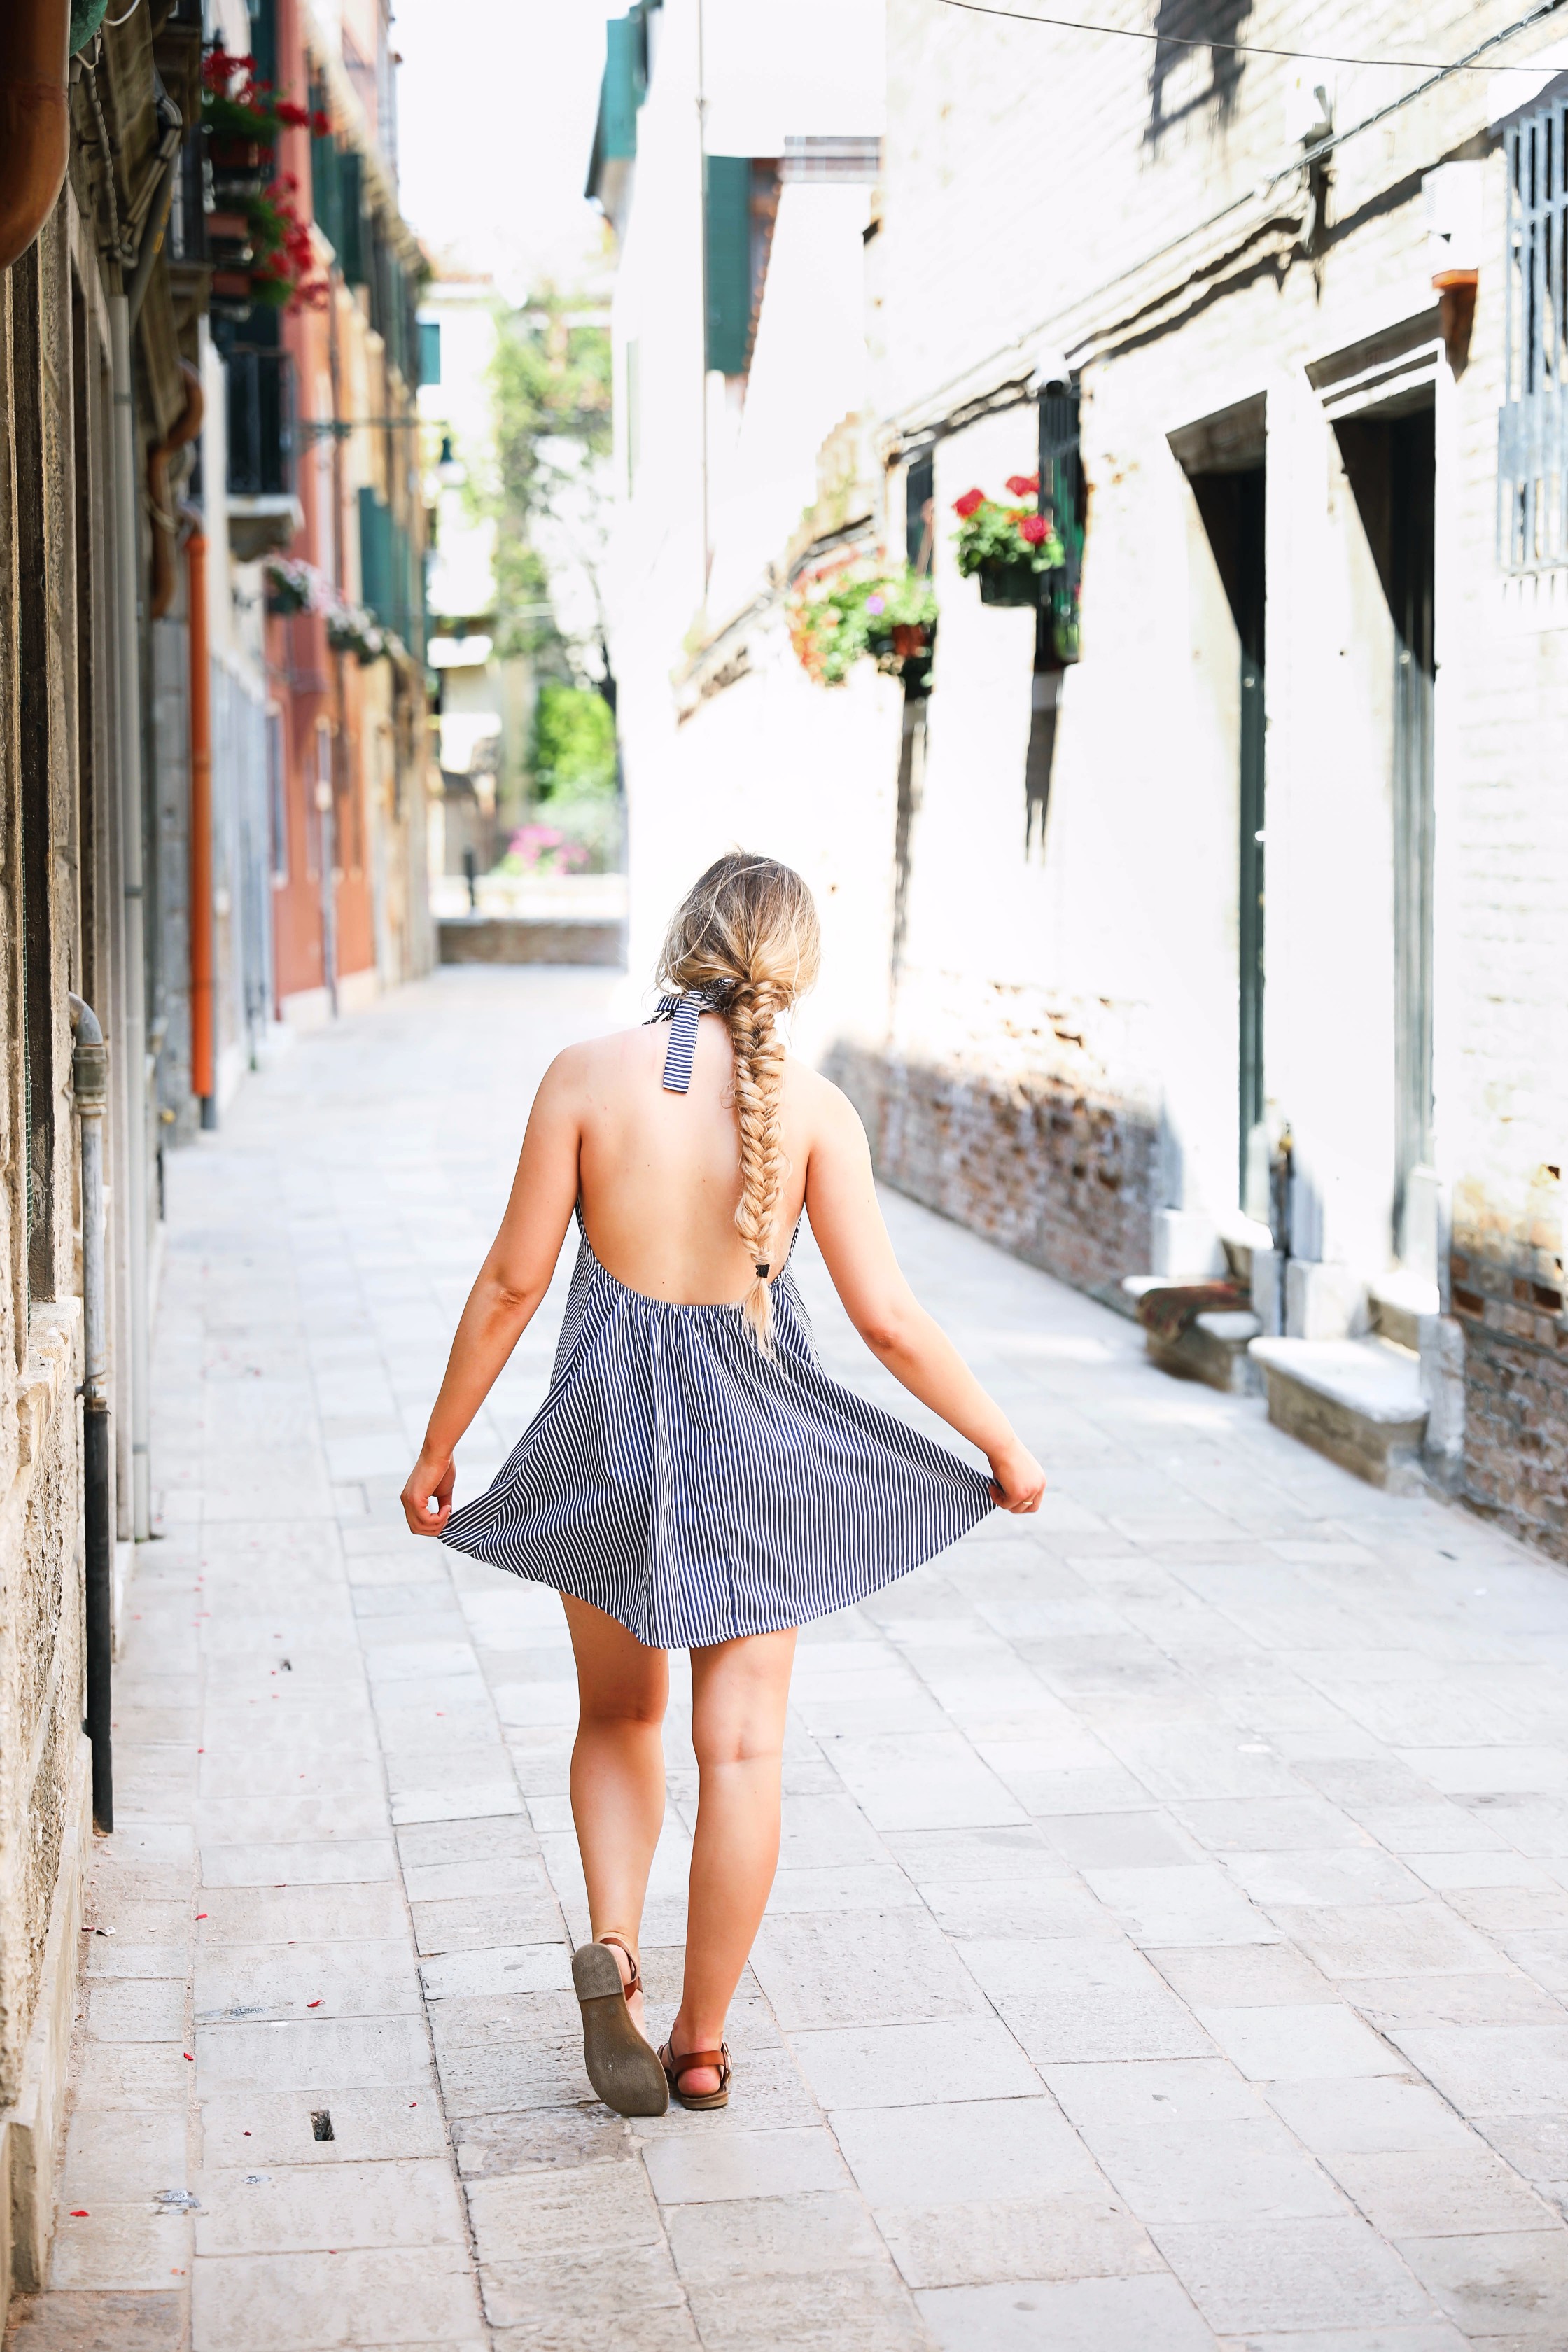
(1506, 1272)
(1059, 1172)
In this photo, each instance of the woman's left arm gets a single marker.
(512, 1280)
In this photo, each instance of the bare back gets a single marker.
(658, 1171)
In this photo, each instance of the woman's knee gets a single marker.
(734, 1733)
(621, 1707)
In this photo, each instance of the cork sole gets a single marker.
(623, 2068)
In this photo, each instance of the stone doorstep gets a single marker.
(32, 2129)
(1357, 1400)
(1213, 1348)
(1399, 1302)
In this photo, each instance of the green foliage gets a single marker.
(989, 533)
(840, 613)
(572, 751)
(551, 385)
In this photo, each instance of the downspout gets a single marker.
(90, 1079)
(128, 701)
(35, 118)
(201, 881)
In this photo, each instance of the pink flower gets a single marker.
(875, 604)
(1033, 528)
(1024, 486)
(969, 503)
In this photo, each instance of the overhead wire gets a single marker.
(1251, 48)
(1309, 156)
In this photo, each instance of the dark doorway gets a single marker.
(1392, 466)
(1234, 507)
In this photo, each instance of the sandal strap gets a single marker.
(676, 2067)
(634, 1982)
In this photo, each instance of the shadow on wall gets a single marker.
(1184, 80)
(1062, 1174)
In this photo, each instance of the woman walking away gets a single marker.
(693, 1480)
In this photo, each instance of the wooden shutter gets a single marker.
(727, 229)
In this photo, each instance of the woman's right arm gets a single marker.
(846, 1220)
(510, 1284)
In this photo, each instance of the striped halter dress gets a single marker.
(694, 1488)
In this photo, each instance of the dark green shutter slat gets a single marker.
(429, 351)
(376, 587)
(727, 232)
(351, 251)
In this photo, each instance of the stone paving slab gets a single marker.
(1170, 1940)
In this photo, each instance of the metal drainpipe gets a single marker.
(89, 1078)
(202, 1085)
(128, 698)
(35, 119)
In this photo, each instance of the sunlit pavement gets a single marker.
(1172, 1928)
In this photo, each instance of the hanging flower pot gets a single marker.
(1005, 582)
(840, 614)
(1011, 551)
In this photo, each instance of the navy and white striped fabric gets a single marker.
(694, 1488)
(683, 1014)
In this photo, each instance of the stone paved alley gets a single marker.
(1172, 1931)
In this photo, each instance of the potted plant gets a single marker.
(352, 629)
(1009, 549)
(261, 249)
(844, 612)
(295, 586)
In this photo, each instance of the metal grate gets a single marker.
(1532, 424)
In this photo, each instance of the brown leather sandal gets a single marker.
(675, 2068)
(624, 2069)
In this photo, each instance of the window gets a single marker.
(1533, 427)
(1062, 497)
(920, 512)
(634, 415)
(429, 351)
(276, 796)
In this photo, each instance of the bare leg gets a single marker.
(617, 1771)
(739, 1691)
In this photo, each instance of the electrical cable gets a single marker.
(1249, 48)
(1308, 157)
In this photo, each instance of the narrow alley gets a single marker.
(1172, 1931)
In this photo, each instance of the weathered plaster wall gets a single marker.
(41, 1658)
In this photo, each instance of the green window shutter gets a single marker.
(376, 585)
(727, 231)
(325, 183)
(352, 247)
(429, 351)
(1062, 496)
(620, 94)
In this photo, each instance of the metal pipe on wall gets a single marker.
(35, 118)
(128, 701)
(90, 1079)
(203, 1084)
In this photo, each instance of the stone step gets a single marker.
(1357, 1400)
(1213, 1348)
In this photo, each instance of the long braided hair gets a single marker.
(747, 936)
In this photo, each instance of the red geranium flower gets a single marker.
(968, 503)
(1033, 528)
(1024, 486)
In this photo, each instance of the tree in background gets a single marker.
(551, 380)
(571, 755)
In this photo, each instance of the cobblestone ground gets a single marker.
(1171, 1935)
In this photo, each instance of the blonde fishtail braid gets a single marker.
(746, 937)
(751, 1014)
